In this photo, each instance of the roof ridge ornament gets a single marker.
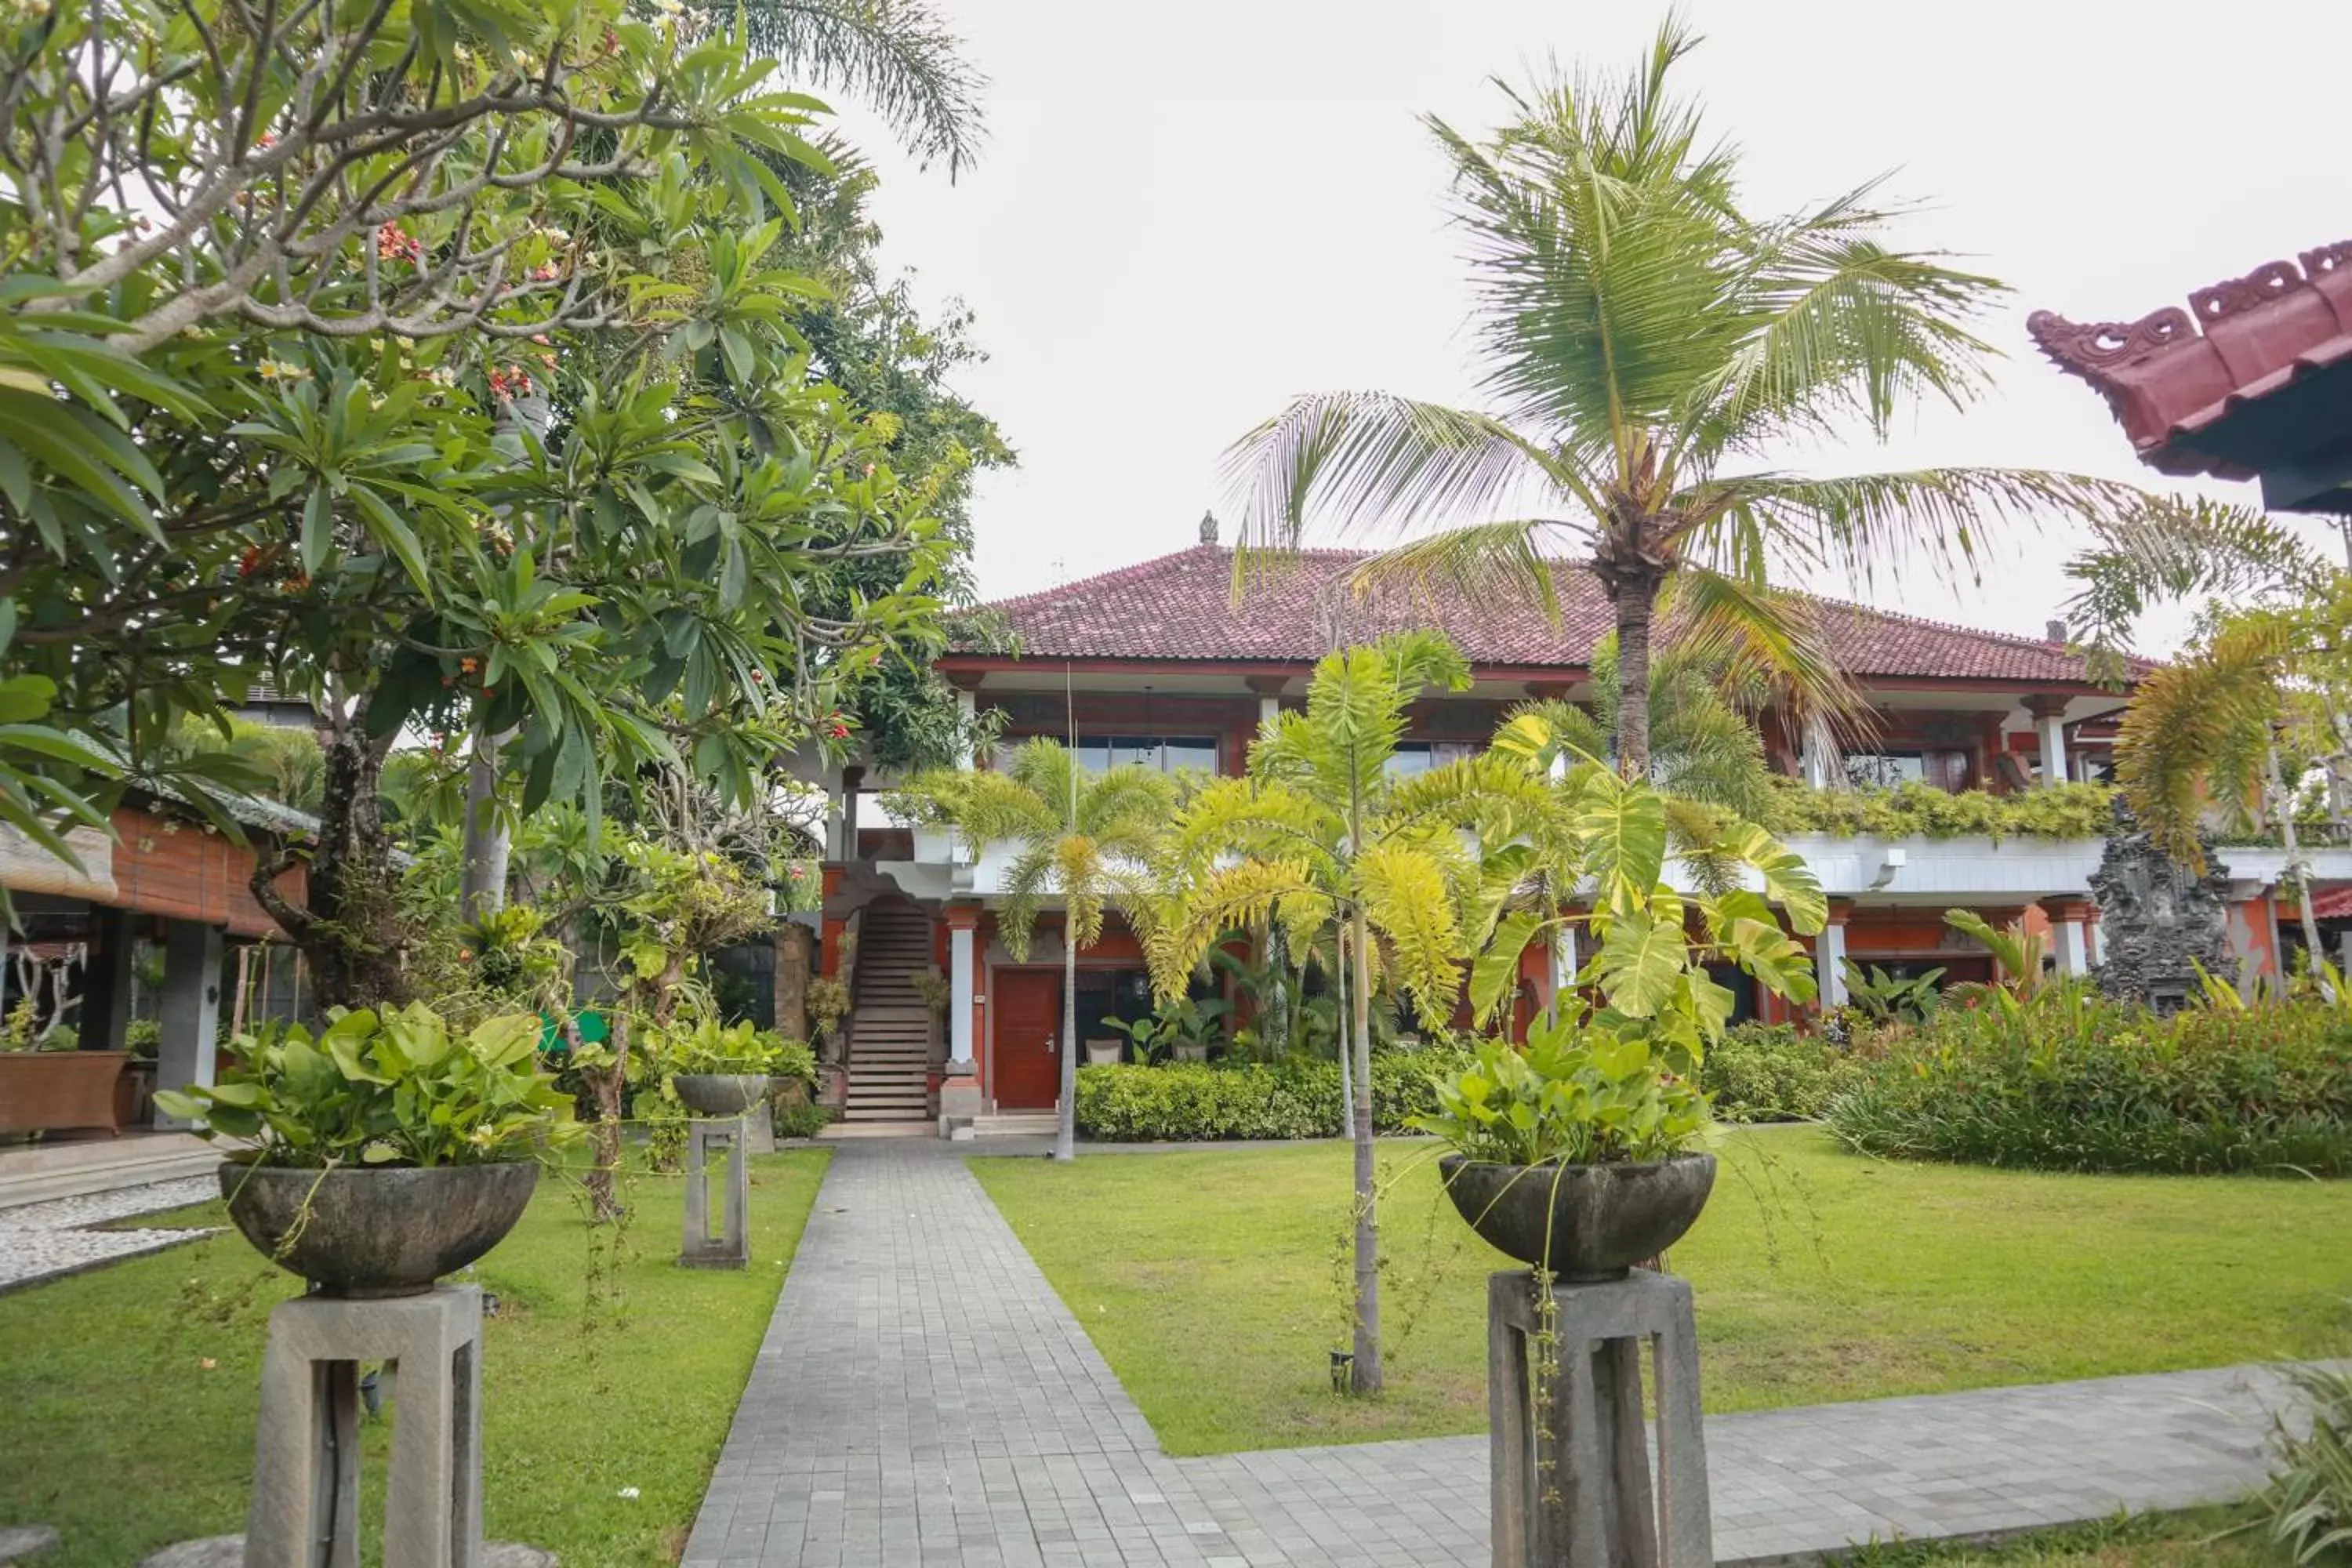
(1207, 528)
(2089, 349)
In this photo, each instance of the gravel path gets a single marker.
(45, 1240)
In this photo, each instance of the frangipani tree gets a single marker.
(1322, 832)
(1086, 839)
(1649, 341)
(467, 397)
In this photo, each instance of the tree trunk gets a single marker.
(793, 967)
(348, 927)
(605, 1138)
(482, 889)
(2313, 952)
(1346, 1033)
(659, 1000)
(1364, 1375)
(1635, 600)
(1066, 1130)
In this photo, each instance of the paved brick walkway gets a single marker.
(924, 1400)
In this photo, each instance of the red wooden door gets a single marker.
(1028, 1068)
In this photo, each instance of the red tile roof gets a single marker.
(1180, 608)
(2167, 381)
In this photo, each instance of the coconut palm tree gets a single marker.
(1704, 749)
(899, 57)
(1646, 336)
(1321, 833)
(1088, 839)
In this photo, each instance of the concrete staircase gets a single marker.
(890, 1024)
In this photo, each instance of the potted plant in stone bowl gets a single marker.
(388, 1150)
(1577, 1155)
(714, 1069)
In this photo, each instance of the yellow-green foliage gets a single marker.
(1923, 811)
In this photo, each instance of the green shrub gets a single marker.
(1770, 1072)
(2308, 1504)
(1201, 1102)
(803, 1121)
(2072, 1082)
(1923, 810)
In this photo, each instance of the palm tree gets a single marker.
(1645, 335)
(1320, 833)
(2270, 668)
(899, 58)
(1704, 749)
(1087, 838)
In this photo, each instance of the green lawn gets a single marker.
(1213, 1279)
(129, 1392)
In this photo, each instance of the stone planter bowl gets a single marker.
(1601, 1220)
(721, 1093)
(377, 1232)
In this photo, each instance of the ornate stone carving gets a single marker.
(2233, 295)
(2327, 259)
(2089, 349)
(2157, 919)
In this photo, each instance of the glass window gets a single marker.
(1098, 753)
(1883, 770)
(1414, 758)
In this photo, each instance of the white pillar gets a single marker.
(1564, 963)
(2071, 945)
(1269, 709)
(191, 1008)
(2094, 942)
(968, 705)
(1819, 759)
(1829, 964)
(959, 994)
(834, 816)
(2052, 728)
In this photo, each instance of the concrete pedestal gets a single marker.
(730, 1247)
(759, 1128)
(306, 1463)
(1599, 1504)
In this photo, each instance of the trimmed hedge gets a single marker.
(2073, 1082)
(1197, 1102)
(1770, 1072)
(1904, 810)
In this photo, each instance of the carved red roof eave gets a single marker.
(2174, 372)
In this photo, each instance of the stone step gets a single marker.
(1016, 1124)
(80, 1168)
(880, 1127)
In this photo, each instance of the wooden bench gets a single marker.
(59, 1092)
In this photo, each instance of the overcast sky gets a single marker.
(1187, 212)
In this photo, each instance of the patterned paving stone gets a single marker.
(924, 1400)
(44, 1240)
